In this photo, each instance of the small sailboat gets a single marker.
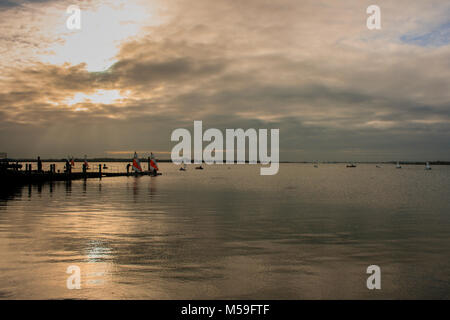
(200, 167)
(398, 166)
(136, 164)
(153, 166)
(427, 166)
(183, 166)
(86, 164)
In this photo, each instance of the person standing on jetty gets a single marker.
(39, 165)
(68, 167)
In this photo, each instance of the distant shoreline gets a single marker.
(304, 162)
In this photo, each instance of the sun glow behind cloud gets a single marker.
(98, 97)
(103, 29)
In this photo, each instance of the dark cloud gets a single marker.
(8, 4)
(17, 3)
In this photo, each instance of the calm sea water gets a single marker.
(227, 232)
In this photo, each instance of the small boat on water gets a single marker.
(427, 166)
(351, 165)
(137, 168)
(86, 164)
(153, 166)
(398, 166)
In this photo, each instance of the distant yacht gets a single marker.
(428, 167)
(398, 166)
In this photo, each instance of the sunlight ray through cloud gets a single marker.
(98, 97)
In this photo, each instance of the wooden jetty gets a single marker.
(11, 174)
(23, 177)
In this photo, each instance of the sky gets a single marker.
(137, 70)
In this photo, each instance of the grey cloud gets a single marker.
(8, 4)
(18, 3)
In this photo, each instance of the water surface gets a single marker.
(227, 232)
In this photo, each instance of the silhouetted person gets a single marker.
(39, 164)
(68, 167)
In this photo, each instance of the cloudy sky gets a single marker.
(137, 70)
